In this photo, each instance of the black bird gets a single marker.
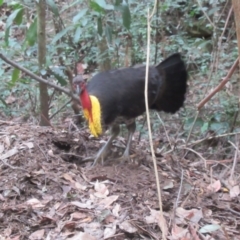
(117, 96)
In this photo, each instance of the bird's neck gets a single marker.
(86, 101)
(92, 112)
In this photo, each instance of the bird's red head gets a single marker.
(79, 86)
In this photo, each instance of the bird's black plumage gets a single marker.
(121, 91)
(120, 94)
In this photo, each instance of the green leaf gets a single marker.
(61, 34)
(3, 101)
(53, 7)
(31, 35)
(220, 127)
(94, 6)
(59, 75)
(6, 36)
(77, 17)
(19, 17)
(99, 26)
(15, 5)
(108, 33)
(204, 127)
(126, 15)
(12, 17)
(189, 122)
(117, 2)
(104, 5)
(1, 2)
(60, 80)
(77, 35)
(15, 75)
(118, 5)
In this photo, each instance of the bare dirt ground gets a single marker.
(46, 192)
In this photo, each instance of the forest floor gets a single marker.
(47, 192)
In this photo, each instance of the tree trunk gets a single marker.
(128, 52)
(105, 63)
(236, 9)
(41, 31)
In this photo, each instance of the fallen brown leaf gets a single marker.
(38, 235)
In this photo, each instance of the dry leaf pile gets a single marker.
(46, 192)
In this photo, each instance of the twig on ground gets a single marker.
(8, 154)
(12, 167)
(209, 138)
(202, 237)
(225, 232)
(178, 197)
(235, 158)
(233, 211)
(198, 154)
(202, 140)
(116, 235)
(186, 199)
(74, 125)
(43, 153)
(193, 232)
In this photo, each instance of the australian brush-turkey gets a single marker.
(117, 96)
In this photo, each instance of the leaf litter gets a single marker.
(46, 192)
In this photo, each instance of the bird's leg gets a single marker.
(104, 150)
(131, 129)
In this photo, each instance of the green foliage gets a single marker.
(15, 75)
(31, 35)
(180, 26)
(126, 15)
(53, 7)
(99, 26)
(15, 17)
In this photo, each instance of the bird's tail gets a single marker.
(173, 86)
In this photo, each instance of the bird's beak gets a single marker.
(78, 89)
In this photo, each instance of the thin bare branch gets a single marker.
(220, 86)
(60, 109)
(210, 21)
(35, 77)
(198, 154)
(162, 219)
(191, 129)
(165, 130)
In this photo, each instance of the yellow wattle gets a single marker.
(94, 123)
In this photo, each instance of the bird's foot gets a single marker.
(101, 156)
(124, 158)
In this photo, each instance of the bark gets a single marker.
(128, 52)
(44, 97)
(236, 9)
(105, 63)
